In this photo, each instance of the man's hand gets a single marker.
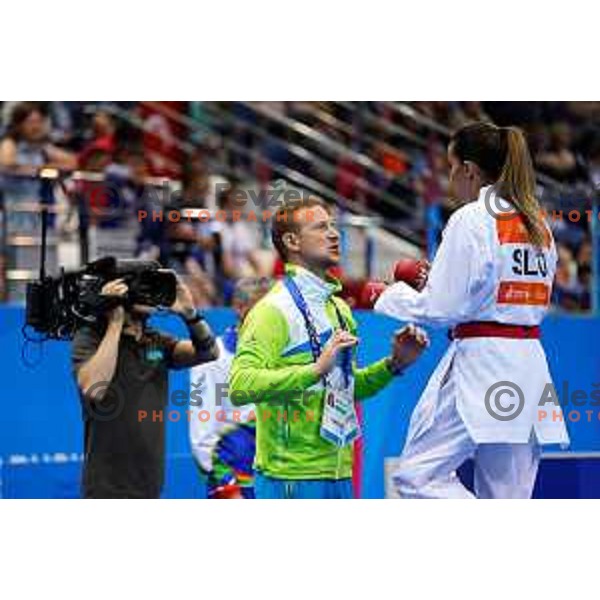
(339, 340)
(101, 367)
(184, 303)
(407, 345)
(423, 274)
(115, 288)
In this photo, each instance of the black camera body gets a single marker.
(56, 307)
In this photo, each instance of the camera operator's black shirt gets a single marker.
(125, 432)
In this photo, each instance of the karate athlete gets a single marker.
(223, 445)
(490, 283)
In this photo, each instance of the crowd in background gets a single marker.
(380, 162)
(70, 136)
(564, 138)
(369, 153)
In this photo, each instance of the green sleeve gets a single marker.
(256, 365)
(373, 378)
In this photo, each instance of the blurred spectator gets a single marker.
(240, 244)
(593, 162)
(559, 160)
(163, 130)
(572, 283)
(151, 241)
(98, 153)
(63, 119)
(24, 150)
(566, 270)
(584, 254)
(273, 156)
(393, 161)
(350, 179)
(469, 112)
(586, 283)
(184, 247)
(200, 186)
(429, 175)
(515, 113)
(388, 157)
(538, 138)
(202, 118)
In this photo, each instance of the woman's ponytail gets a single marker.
(517, 183)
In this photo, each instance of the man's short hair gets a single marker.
(283, 221)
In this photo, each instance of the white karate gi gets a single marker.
(484, 270)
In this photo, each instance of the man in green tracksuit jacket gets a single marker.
(295, 360)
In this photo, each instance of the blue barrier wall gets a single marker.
(41, 432)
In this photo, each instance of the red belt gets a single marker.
(477, 329)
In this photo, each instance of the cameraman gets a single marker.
(121, 369)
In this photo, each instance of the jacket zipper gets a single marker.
(339, 463)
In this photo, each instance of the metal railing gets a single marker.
(20, 232)
(319, 149)
(316, 142)
(323, 157)
(72, 220)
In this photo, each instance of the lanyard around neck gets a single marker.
(313, 337)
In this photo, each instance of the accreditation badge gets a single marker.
(339, 424)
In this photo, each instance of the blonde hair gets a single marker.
(503, 156)
(517, 184)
